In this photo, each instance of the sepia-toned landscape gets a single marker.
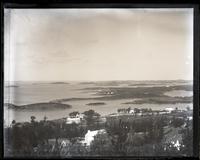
(104, 119)
(98, 83)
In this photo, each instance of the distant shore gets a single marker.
(152, 95)
(38, 106)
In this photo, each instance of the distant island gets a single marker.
(59, 83)
(38, 106)
(152, 95)
(162, 100)
(96, 104)
(14, 86)
(87, 83)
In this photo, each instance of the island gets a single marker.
(96, 104)
(59, 83)
(38, 106)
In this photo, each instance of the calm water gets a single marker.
(31, 92)
(179, 93)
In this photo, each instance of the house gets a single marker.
(189, 117)
(75, 119)
(169, 110)
(110, 93)
(113, 115)
(163, 112)
(62, 142)
(77, 115)
(139, 114)
(80, 116)
(89, 136)
(132, 111)
(124, 110)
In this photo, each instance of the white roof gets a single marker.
(169, 109)
(190, 117)
(89, 136)
(71, 120)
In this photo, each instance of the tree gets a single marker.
(136, 111)
(144, 110)
(151, 132)
(188, 108)
(102, 145)
(119, 110)
(91, 117)
(73, 114)
(188, 141)
(13, 122)
(73, 149)
(128, 109)
(149, 110)
(177, 122)
(45, 118)
(33, 119)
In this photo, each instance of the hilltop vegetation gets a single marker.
(125, 135)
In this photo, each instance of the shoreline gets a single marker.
(117, 114)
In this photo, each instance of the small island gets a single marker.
(38, 106)
(96, 104)
(12, 86)
(59, 83)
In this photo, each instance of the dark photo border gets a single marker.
(35, 4)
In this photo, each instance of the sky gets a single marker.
(98, 44)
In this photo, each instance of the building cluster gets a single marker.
(89, 136)
(75, 119)
(146, 111)
(85, 141)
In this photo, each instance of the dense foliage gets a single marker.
(125, 136)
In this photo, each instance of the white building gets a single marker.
(78, 115)
(73, 120)
(189, 118)
(89, 136)
(132, 111)
(163, 112)
(77, 119)
(169, 110)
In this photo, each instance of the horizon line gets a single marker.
(96, 80)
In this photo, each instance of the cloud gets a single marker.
(100, 43)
